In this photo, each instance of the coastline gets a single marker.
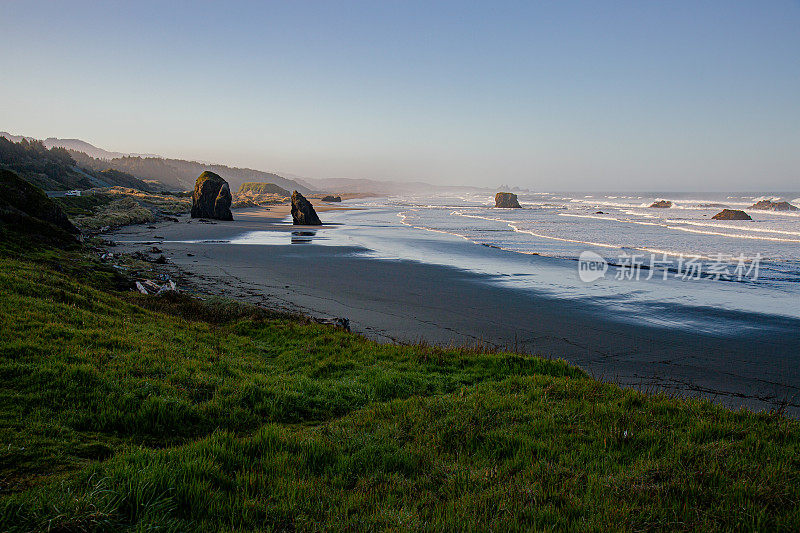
(407, 301)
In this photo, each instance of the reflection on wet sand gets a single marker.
(302, 237)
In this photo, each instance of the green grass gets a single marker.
(256, 188)
(119, 206)
(121, 411)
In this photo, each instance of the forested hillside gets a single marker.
(181, 174)
(55, 169)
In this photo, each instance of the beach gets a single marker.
(749, 360)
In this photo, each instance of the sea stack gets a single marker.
(506, 200)
(303, 213)
(212, 197)
(731, 214)
(331, 198)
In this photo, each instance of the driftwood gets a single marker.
(343, 323)
(151, 287)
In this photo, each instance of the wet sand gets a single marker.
(406, 301)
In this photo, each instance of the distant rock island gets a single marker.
(506, 200)
(331, 198)
(661, 204)
(212, 197)
(769, 205)
(303, 213)
(731, 214)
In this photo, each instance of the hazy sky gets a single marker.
(550, 95)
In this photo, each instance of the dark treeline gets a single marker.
(56, 169)
(62, 169)
(50, 169)
(179, 174)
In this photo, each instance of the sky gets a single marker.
(640, 95)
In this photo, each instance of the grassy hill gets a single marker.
(120, 206)
(125, 411)
(119, 410)
(251, 187)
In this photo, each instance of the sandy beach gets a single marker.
(408, 301)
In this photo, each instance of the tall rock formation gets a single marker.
(212, 197)
(303, 213)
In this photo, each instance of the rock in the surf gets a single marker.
(212, 197)
(331, 198)
(769, 205)
(661, 204)
(731, 214)
(303, 213)
(506, 200)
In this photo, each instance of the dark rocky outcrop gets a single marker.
(303, 213)
(212, 197)
(506, 200)
(731, 214)
(661, 204)
(26, 209)
(331, 198)
(769, 205)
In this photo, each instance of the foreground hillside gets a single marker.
(119, 410)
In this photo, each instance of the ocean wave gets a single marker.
(770, 198)
(611, 219)
(737, 227)
(513, 224)
(733, 235)
(667, 224)
(540, 231)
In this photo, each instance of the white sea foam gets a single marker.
(741, 227)
(563, 226)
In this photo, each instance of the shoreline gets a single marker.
(406, 301)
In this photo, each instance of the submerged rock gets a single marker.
(212, 197)
(731, 214)
(506, 200)
(303, 213)
(331, 198)
(661, 204)
(769, 205)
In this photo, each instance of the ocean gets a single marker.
(676, 255)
